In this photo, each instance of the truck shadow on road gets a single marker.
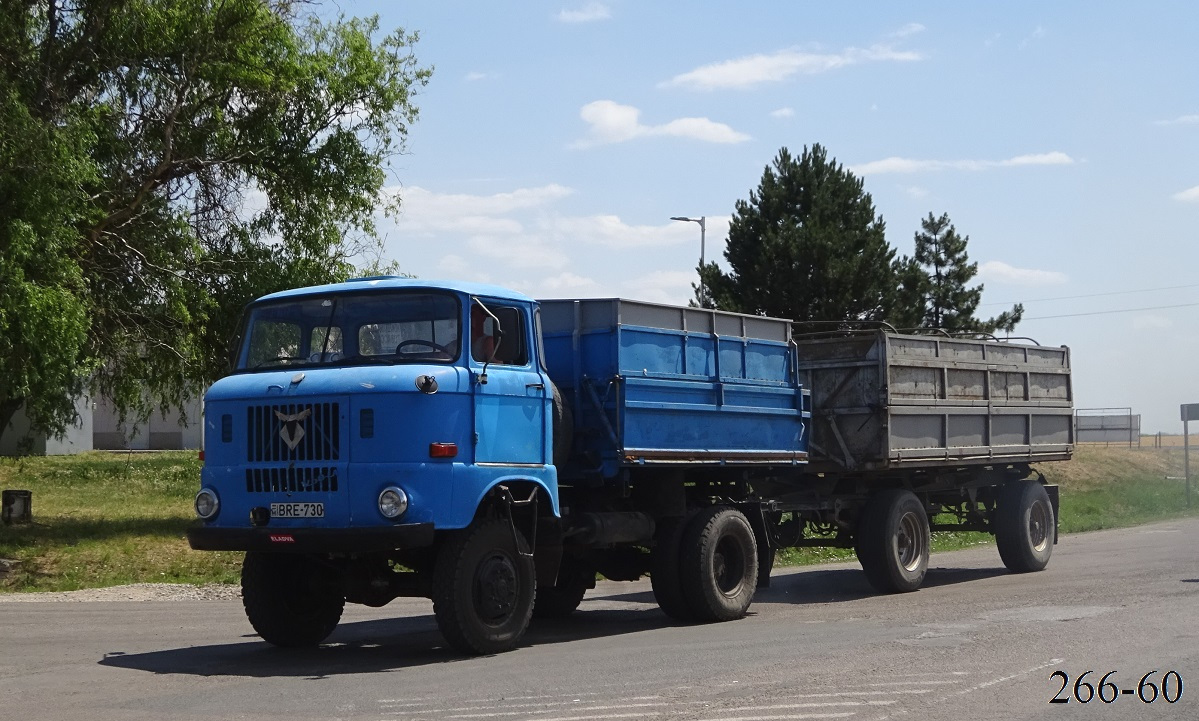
(837, 585)
(389, 645)
(374, 646)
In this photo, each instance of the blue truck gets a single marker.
(389, 437)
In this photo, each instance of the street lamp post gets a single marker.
(702, 220)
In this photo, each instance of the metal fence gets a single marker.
(1108, 426)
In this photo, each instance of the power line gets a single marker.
(1096, 295)
(1109, 312)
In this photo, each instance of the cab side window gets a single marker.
(510, 348)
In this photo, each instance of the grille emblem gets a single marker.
(292, 431)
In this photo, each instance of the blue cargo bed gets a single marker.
(654, 384)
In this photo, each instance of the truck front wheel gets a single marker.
(290, 600)
(1024, 526)
(893, 541)
(483, 588)
(719, 568)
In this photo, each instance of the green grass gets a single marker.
(104, 519)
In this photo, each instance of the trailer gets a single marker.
(392, 437)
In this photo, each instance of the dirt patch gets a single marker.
(133, 592)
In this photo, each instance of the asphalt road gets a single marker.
(974, 643)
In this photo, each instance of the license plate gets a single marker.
(297, 510)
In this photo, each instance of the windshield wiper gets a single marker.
(371, 359)
(281, 359)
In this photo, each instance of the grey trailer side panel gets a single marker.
(887, 401)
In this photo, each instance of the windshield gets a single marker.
(352, 329)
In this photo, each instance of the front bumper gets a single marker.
(311, 540)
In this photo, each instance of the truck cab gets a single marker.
(363, 424)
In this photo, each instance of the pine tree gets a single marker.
(945, 299)
(808, 245)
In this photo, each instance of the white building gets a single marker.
(97, 429)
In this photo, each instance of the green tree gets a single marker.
(165, 161)
(943, 272)
(807, 245)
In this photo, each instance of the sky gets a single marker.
(556, 140)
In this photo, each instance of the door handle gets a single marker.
(538, 386)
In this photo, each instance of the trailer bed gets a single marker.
(886, 401)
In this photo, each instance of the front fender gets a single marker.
(474, 483)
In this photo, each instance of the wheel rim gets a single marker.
(1038, 526)
(909, 542)
(728, 566)
(495, 588)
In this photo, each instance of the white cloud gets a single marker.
(610, 231)
(1180, 120)
(426, 214)
(916, 191)
(782, 113)
(421, 204)
(1037, 34)
(567, 282)
(1190, 195)
(910, 165)
(662, 286)
(475, 77)
(754, 70)
(611, 122)
(997, 271)
(908, 30)
(1054, 158)
(520, 251)
(586, 14)
(530, 239)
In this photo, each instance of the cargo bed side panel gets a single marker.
(889, 401)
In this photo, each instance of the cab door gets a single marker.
(511, 406)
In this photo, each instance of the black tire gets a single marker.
(664, 577)
(290, 600)
(483, 588)
(893, 541)
(563, 427)
(719, 568)
(561, 599)
(1024, 526)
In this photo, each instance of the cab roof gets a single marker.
(398, 283)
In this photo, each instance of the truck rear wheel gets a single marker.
(290, 600)
(1024, 526)
(483, 588)
(719, 568)
(893, 541)
(664, 568)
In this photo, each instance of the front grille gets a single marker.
(293, 432)
(291, 480)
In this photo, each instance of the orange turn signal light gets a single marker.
(443, 450)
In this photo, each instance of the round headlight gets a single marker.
(207, 503)
(393, 502)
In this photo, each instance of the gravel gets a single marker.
(133, 592)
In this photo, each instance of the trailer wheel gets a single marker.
(719, 566)
(483, 588)
(561, 599)
(1024, 526)
(664, 568)
(892, 541)
(290, 600)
